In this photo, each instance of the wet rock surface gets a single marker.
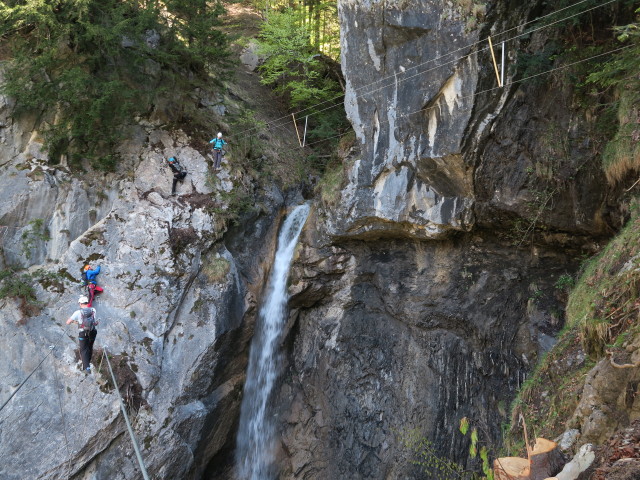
(409, 335)
(427, 293)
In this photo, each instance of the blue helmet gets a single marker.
(171, 159)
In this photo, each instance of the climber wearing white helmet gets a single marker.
(85, 317)
(218, 143)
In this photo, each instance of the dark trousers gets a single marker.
(217, 158)
(177, 177)
(86, 346)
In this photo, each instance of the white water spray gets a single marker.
(255, 442)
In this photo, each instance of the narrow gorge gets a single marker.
(331, 327)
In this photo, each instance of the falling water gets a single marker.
(255, 442)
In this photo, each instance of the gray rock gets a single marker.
(568, 439)
(173, 314)
(583, 460)
(152, 38)
(249, 56)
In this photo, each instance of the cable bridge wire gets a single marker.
(457, 60)
(126, 417)
(64, 421)
(51, 349)
(424, 110)
(85, 420)
(394, 75)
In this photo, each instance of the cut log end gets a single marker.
(545, 459)
(511, 468)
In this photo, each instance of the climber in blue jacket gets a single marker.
(89, 280)
(218, 143)
(91, 274)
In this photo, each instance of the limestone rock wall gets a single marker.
(427, 294)
(409, 81)
(175, 314)
(393, 337)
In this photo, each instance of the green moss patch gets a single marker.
(216, 269)
(602, 316)
(550, 395)
(604, 303)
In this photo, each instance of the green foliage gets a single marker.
(248, 146)
(19, 287)
(16, 286)
(319, 17)
(564, 281)
(436, 467)
(464, 425)
(331, 184)
(473, 448)
(549, 395)
(602, 314)
(605, 302)
(531, 64)
(90, 66)
(296, 70)
(285, 43)
(622, 154)
(429, 461)
(37, 232)
(487, 470)
(53, 281)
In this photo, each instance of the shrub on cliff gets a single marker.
(622, 154)
(20, 288)
(298, 71)
(88, 66)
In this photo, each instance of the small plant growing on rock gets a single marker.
(216, 269)
(564, 282)
(19, 287)
(440, 468)
(36, 233)
(473, 448)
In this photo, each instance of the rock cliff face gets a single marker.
(425, 296)
(175, 313)
(428, 293)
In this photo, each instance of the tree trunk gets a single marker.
(316, 26)
(546, 460)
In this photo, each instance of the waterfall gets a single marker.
(255, 442)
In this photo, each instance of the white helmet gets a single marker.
(83, 300)
(219, 134)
